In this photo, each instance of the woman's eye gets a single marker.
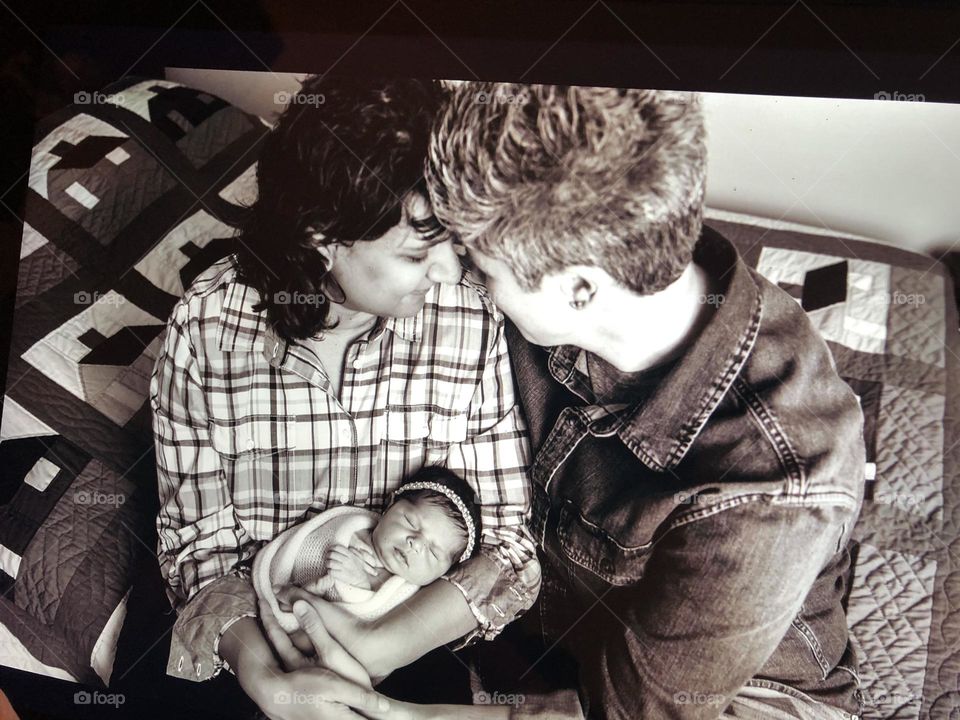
(416, 258)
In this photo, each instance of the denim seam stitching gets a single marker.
(693, 428)
(807, 634)
(831, 498)
(770, 426)
(584, 560)
(547, 452)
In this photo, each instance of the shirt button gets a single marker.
(345, 435)
(357, 364)
(344, 498)
(250, 443)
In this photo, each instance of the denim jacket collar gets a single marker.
(661, 430)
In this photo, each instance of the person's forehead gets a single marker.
(435, 519)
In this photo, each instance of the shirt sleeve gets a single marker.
(502, 580)
(717, 597)
(200, 540)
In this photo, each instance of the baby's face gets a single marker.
(417, 541)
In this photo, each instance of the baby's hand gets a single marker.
(348, 566)
(365, 551)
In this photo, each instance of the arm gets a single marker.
(717, 597)
(200, 540)
(503, 579)
(487, 592)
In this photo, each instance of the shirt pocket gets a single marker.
(256, 455)
(429, 427)
(254, 436)
(592, 548)
(422, 436)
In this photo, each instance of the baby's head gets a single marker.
(433, 524)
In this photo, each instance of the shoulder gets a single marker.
(790, 382)
(462, 315)
(468, 294)
(206, 295)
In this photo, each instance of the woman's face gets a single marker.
(390, 276)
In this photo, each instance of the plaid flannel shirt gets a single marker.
(250, 440)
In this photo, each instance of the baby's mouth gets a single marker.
(403, 558)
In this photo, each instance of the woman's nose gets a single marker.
(444, 264)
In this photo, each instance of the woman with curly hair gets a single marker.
(336, 352)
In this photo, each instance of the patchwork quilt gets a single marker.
(134, 193)
(889, 319)
(131, 194)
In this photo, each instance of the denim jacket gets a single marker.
(697, 541)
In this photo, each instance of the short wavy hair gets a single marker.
(342, 157)
(546, 176)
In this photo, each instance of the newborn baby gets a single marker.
(371, 563)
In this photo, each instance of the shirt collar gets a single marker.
(243, 329)
(661, 430)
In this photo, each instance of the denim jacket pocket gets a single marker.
(592, 548)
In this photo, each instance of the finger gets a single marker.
(279, 640)
(330, 653)
(333, 688)
(340, 555)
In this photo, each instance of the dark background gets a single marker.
(48, 52)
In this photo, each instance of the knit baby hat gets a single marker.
(446, 482)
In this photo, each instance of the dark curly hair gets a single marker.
(339, 162)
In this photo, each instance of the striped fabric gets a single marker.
(250, 441)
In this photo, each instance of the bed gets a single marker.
(135, 192)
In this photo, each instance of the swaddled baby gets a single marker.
(370, 563)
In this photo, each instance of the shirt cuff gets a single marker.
(201, 623)
(494, 593)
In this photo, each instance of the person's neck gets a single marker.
(635, 332)
(348, 323)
